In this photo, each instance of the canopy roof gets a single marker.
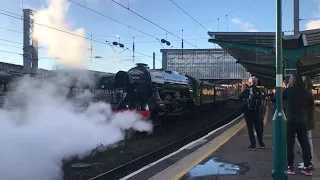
(255, 51)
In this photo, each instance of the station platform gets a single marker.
(222, 155)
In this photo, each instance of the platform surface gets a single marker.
(232, 161)
(226, 157)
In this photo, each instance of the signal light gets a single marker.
(165, 42)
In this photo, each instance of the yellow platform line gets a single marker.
(227, 136)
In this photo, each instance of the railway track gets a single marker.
(146, 159)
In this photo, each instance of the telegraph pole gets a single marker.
(296, 20)
(279, 121)
(154, 60)
(30, 44)
(91, 48)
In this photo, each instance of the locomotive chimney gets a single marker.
(142, 65)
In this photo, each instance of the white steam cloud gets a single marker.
(314, 24)
(40, 126)
(245, 26)
(60, 45)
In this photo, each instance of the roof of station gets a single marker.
(256, 51)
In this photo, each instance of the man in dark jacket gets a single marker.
(298, 102)
(263, 106)
(252, 107)
(310, 119)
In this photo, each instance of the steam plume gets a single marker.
(60, 45)
(314, 23)
(40, 126)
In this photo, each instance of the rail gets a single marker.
(142, 161)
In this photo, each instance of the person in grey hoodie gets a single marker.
(299, 100)
(310, 119)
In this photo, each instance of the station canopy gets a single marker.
(255, 51)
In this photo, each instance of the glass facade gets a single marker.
(203, 63)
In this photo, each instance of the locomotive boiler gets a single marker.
(158, 94)
(153, 93)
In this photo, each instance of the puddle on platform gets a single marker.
(214, 166)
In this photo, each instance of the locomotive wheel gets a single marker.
(156, 120)
(163, 120)
(188, 114)
(131, 132)
(225, 104)
(159, 122)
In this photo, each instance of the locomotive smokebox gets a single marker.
(138, 83)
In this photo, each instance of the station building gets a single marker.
(207, 64)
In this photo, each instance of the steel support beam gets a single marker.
(309, 67)
(244, 46)
(230, 52)
(292, 56)
(267, 82)
(303, 51)
(262, 75)
(256, 65)
(269, 73)
(279, 123)
(311, 74)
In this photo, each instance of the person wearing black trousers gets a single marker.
(298, 101)
(252, 109)
(263, 106)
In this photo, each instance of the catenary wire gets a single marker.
(225, 15)
(88, 38)
(92, 10)
(188, 15)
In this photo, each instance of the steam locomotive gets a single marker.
(157, 94)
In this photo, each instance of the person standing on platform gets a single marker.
(298, 101)
(284, 102)
(263, 106)
(252, 107)
(310, 120)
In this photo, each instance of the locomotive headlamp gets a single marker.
(146, 107)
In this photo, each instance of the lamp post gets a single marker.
(279, 121)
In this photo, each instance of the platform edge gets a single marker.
(226, 136)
